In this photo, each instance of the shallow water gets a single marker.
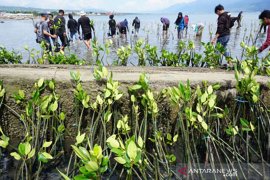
(15, 34)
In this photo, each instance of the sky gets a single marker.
(108, 5)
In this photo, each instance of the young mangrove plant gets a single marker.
(9, 57)
(123, 54)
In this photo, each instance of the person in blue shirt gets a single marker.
(180, 24)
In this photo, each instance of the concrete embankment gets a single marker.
(17, 77)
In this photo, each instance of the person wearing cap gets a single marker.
(60, 23)
(166, 24)
(265, 19)
(180, 23)
(112, 26)
(123, 28)
(43, 32)
(136, 24)
(72, 27)
(85, 23)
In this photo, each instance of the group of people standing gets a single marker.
(122, 27)
(50, 28)
(181, 23)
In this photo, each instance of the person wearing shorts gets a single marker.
(86, 26)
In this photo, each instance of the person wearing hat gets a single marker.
(112, 26)
(60, 23)
(87, 27)
(180, 23)
(43, 32)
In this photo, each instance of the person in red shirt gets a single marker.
(265, 18)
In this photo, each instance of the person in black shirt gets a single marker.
(112, 26)
(223, 28)
(73, 27)
(60, 23)
(87, 28)
(136, 24)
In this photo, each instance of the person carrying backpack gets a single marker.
(136, 24)
(72, 27)
(186, 20)
(42, 31)
(112, 26)
(223, 28)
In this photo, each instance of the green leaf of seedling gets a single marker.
(169, 137)
(54, 106)
(244, 122)
(105, 161)
(210, 90)
(119, 152)
(47, 144)
(97, 151)
(16, 156)
(252, 127)
(2, 92)
(80, 138)
(21, 94)
(136, 87)
(91, 166)
(40, 82)
(211, 103)
(175, 138)
(47, 155)
(63, 175)
(21, 149)
(82, 177)
(61, 128)
(80, 153)
(204, 97)
(204, 125)
(118, 96)
(140, 142)
(31, 154)
(113, 143)
(42, 158)
(51, 85)
(62, 116)
(132, 150)
(120, 160)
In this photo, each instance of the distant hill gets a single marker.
(32, 9)
(207, 6)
